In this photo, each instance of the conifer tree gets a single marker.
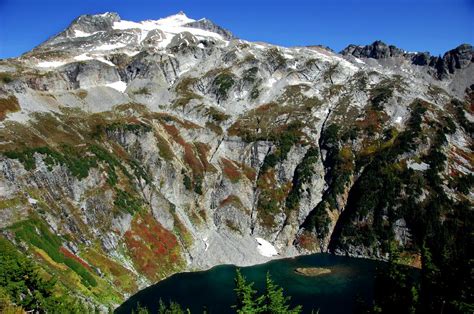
(247, 302)
(172, 308)
(275, 301)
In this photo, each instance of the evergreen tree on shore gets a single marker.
(273, 301)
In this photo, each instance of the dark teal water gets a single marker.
(332, 293)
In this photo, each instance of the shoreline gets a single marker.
(323, 264)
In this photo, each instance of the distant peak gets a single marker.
(461, 47)
(89, 23)
(377, 50)
(208, 25)
(106, 15)
(179, 18)
(179, 15)
(379, 42)
(109, 14)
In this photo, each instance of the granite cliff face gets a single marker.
(144, 149)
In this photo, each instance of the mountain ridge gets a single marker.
(105, 22)
(451, 60)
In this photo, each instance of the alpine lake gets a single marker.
(332, 284)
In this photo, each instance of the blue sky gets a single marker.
(425, 25)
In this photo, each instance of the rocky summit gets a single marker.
(134, 150)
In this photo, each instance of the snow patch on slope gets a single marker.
(110, 46)
(119, 85)
(32, 201)
(86, 57)
(79, 33)
(265, 248)
(50, 64)
(19, 116)
(206, 243)
(82, 57)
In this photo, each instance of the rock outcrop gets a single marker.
(440, 67)
(376, 50)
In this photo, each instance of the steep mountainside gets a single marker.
(131, 151)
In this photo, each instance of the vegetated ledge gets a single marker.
(312, 271)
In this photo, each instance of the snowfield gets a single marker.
(170, 26)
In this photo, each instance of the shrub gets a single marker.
(23, 289)
(284, 140)
(380, 94)
(198, 184)
(164, 147)
(128, 127)
(275, 58)
(6, 78)
(303, 174)
(36, 233)
(9, 104)
(141, 91)
(217, 115)
(112, 163)
(79, 166)
(126, 202)
(250, 75)
(319, 221)
(461, 116)
(254, 93)
(230, 170)
(464, 183)
(223, 82)
(188, 184)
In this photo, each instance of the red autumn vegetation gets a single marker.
(154, 250)
(71, 255)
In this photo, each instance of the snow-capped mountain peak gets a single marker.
(108, 32)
